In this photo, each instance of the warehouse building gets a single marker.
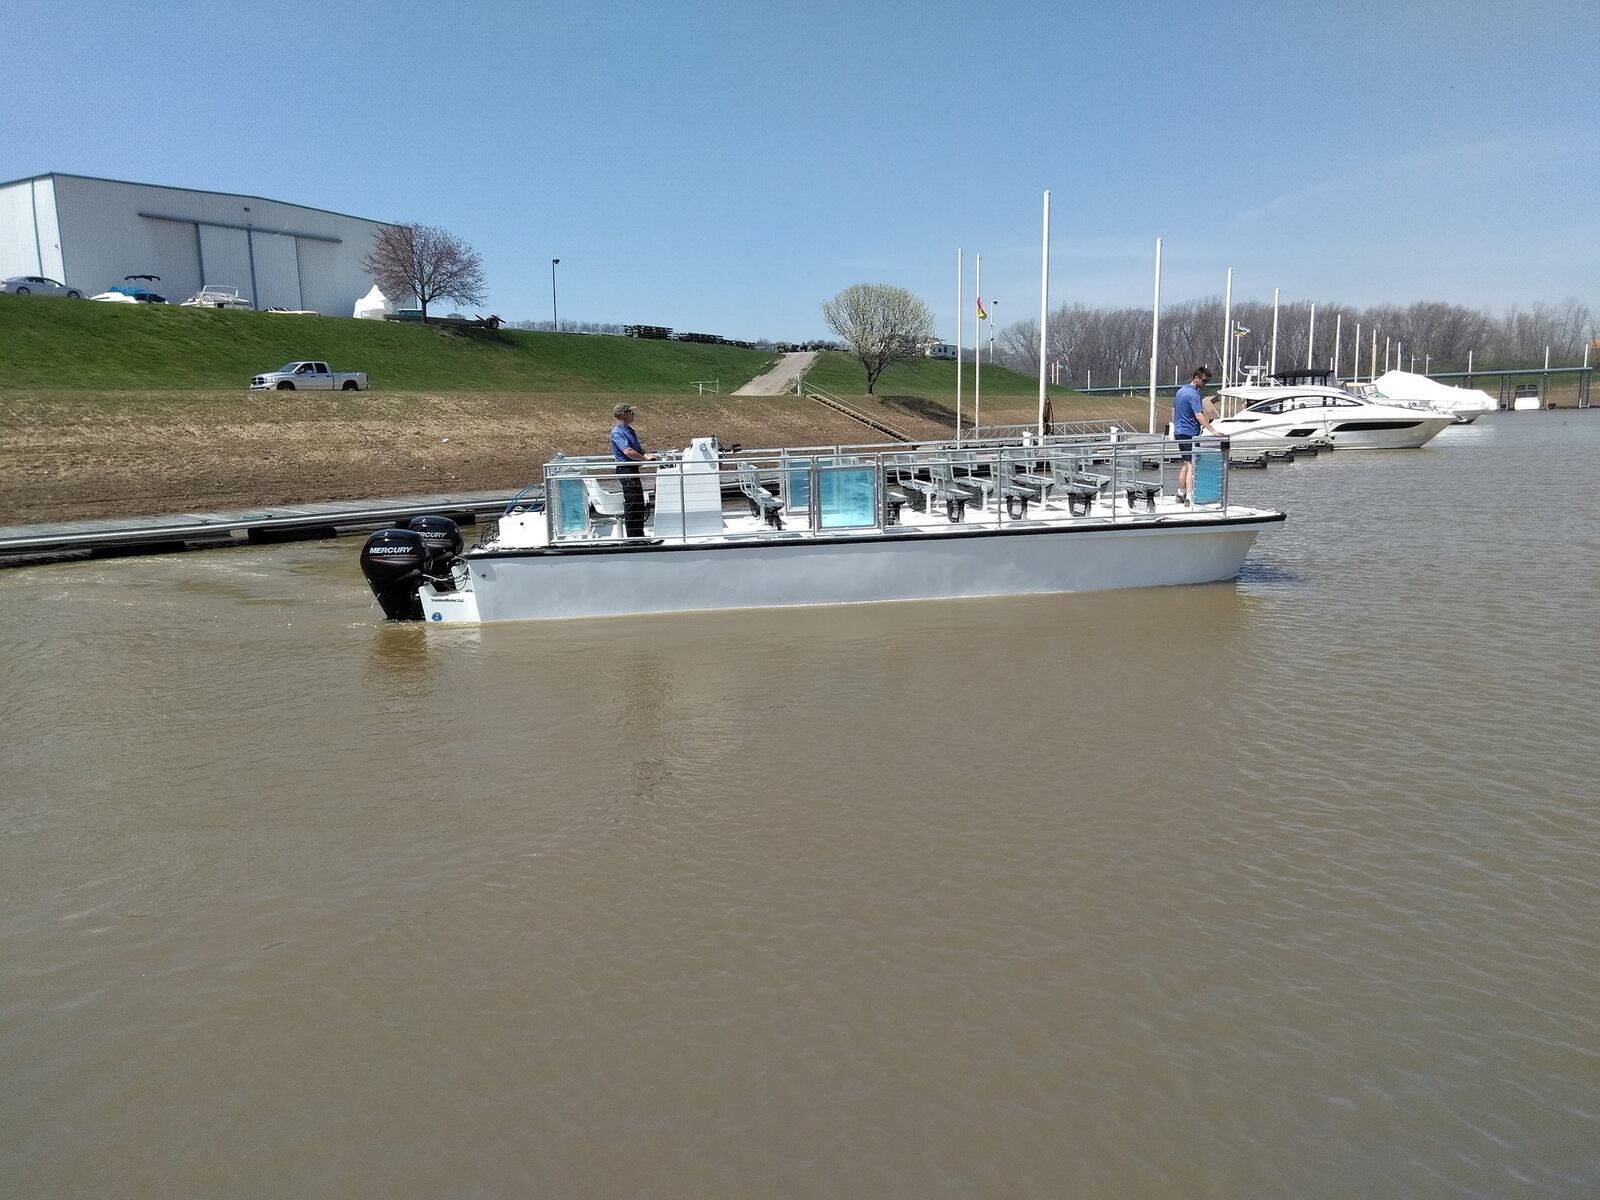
(90, 233)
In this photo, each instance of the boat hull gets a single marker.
(1409, 434)
(1023, 559)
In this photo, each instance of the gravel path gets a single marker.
(781, 379)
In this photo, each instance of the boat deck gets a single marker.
(848, 493)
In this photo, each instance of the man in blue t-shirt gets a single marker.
(625, 448)
(1188, 417)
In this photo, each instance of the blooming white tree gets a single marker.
(879, 324)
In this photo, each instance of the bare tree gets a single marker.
(426, 262)
(880, 324)
(1019, 345)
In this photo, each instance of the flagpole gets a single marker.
(1227, 329)
(1272, 365)
(1311, 337)
(1155, 336)
(1338, 333)
(1044, 311)
(959, 320)
(977, 354)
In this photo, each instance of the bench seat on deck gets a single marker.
(1080, 494)
(763, 503)
(1141, 489)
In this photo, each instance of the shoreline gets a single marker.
(68, 456)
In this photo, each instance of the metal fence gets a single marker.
(983, 482)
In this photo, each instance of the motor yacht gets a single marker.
(828, 525)
(1408, 390)
(1286, 415)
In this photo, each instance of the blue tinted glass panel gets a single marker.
(1208, 477)
(848, 498)
(572, 506)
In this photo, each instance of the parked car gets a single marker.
(38, 285)
(132, 291)
(309, 376)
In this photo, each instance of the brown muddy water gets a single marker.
(1287, 887)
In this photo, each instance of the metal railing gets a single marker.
(829, 400)
(865, 488)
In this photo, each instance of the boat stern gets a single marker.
(457, 605)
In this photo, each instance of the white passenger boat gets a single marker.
(833, 525)
(1287, 414)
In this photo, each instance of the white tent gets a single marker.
(373, 305)
(1404, 386)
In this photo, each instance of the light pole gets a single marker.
(250, 251)
(994, 320)
(555, 321)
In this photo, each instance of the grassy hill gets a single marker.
(842, 373)
(75, 344)
(920, 397)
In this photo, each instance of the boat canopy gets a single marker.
(1403, 385)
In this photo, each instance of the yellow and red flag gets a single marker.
(982, 313)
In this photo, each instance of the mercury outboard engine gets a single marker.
(393, 561)
(442, 537)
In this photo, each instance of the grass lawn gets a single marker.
(843, 374)
(924, 392)
(79, 344)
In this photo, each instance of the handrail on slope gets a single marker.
(829, 400)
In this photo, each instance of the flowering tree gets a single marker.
(880, 325)
(425, 262)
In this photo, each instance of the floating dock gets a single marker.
(20, 544)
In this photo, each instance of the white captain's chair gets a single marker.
(606, 508)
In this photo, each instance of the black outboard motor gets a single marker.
(442, 537)
(393, 560)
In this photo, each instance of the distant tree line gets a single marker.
(1439, 335)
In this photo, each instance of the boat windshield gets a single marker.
(1283, 404)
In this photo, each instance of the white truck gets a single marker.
(309, 376)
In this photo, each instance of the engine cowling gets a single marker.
(442, 537)
(394, 562)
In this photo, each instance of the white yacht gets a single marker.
(1465, 405)
(1286, 414)
(828, 525)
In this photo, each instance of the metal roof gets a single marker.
(198, 191)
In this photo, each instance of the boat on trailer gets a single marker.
(1022, 515)
(214, 295)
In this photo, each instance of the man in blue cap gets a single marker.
(625, 448)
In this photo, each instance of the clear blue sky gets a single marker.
(726, 167)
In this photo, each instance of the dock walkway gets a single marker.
(20, 544)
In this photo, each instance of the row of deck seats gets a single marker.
(1018, 481)
(952, 482)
